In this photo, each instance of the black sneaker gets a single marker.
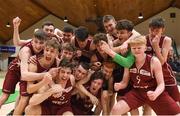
(10, 113)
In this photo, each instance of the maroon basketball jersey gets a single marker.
(65, 98)
(29, 45)
(143, 77)
(83, 106)
(169, 77)
(100, 58)
(43, 69)
(86, 48)
(15, 64)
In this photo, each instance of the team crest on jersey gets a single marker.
(144, 72)
(133, 70)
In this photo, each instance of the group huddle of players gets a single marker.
(71, 72)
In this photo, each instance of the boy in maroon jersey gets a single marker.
(159, 45)
(67, 51)
(55, 99)
(110, 25)
(68, 34)
(47, 27)
(148, 84)
(81, 104)
(44, 63)
(19, 65)
(81, 71)
(84, 44)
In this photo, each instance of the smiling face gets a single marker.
(65, 73)
(80, 73)
(67, 36)
(67, 54)
(38, 45)
(107, 71)
(123, 34)
(110, 26)
(49, 30)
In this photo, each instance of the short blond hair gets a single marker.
(138, 40)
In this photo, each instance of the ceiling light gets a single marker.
(8, 25)
(140, 16)
(65, 19)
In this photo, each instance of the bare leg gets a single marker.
(134, 112)
(3, 98)
(23, 102)
(120, 108)
(119, 98)
(98, 109)
(177, 114)
(67, 113)
(33, 110)
(105, 102)
(112, 100)
(147, 110)
(17, 101)
(178, 103)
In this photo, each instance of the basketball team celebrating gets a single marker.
(71, 72)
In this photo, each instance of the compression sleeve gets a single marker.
(126, 62)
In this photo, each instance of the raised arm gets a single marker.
(16, 39)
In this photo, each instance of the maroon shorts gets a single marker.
(52, 109)
(173, 92)
(79, 109)
(163, 105)
(23, 88)
(122, 92)
(11, 79)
